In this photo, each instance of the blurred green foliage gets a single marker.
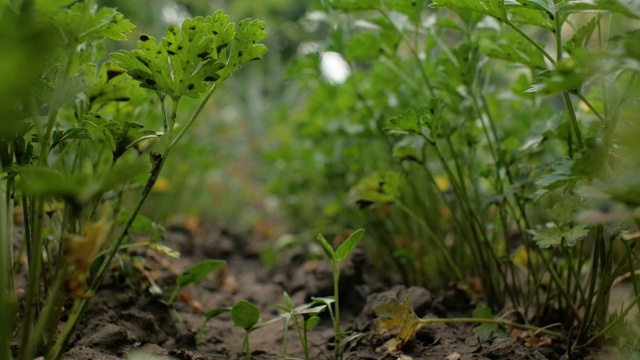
(224, 178)
(479, 142)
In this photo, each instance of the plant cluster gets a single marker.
(487, 142)
(83, 140)
(246, 316)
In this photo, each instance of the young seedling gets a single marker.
(310, 317)
(337, 257)
(244, 315)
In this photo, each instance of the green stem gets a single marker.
(533, 42)
(558, 281)
(194, 116)
(574, 121)
(49, 313)
(245, 346)
(32, 299)
(7, 303)
(285, 337)
(423, 74)
(440, 244)
(536, 330)
(335, 268)
(614, 323)
(591, 107)
(305, 341)
(582, 332)
(565, 94)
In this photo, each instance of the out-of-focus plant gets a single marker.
(485, 142)
(233, 180)
(76, 141)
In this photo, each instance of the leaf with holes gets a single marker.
(192, 55)
(245, 46)
(180, 64)
(110, 84)
(378, 188)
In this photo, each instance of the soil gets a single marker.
(124, 318)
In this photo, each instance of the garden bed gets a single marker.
(123, 319)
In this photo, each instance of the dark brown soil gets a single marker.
(124, 318)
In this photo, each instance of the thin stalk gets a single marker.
(7, 303)
(414, 52)
(606, 278)
(303, 342)
(245, 346)
(50, 311)
(582, 332)
(557, 23)
(533, 42)
(633, 274)
(32, 299)
(534, 329)
(565, 94)
(335, 269)
(574, 121)
(614, 323)
(574, 272)
(26, 221)
(440, 244)
(558, 281)
(285, 337)
(194, 116)
(591, 107)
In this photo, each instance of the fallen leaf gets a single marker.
(392, 315)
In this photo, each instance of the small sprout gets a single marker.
(309, 314)
(245, 315)
(337, 257)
